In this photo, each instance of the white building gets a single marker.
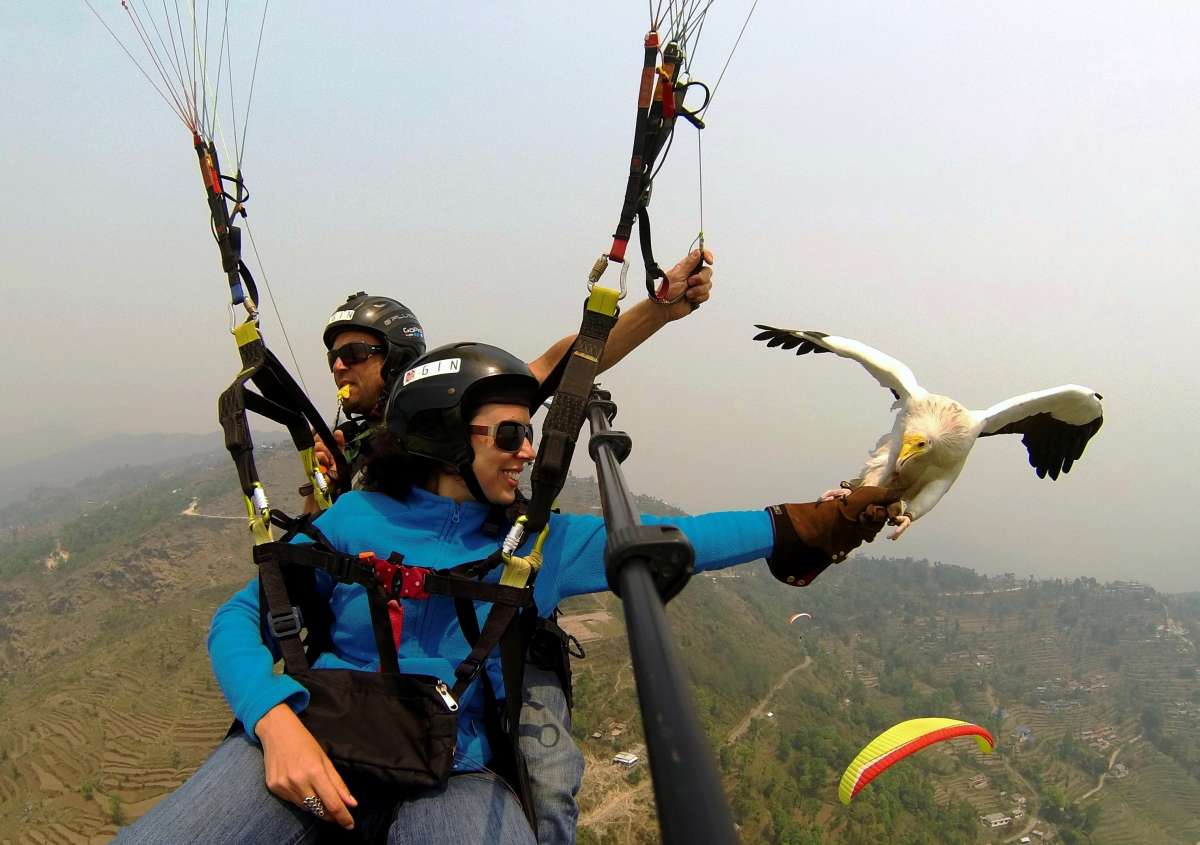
(995, 820)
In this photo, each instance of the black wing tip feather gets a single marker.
(1054, 446)
(790, 339)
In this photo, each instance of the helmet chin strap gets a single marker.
(468, 476)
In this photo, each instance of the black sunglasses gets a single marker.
(509, 436)
(354, 353)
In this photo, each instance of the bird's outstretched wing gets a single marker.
(892, 374)
(1055, 424)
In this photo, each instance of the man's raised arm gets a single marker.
(639, 322)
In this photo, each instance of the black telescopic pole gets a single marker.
(647, 565)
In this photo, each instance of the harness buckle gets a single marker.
(412, 582)
(383, 570)
(468, 670)
(286, 623)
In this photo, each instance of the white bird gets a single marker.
(920, 458)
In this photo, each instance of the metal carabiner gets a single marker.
(598, 270)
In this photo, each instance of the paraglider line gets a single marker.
(275, 306)
(250, 96)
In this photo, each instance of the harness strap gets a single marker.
(392, 578)
(282, 618)
(498, 621)
(381, 627)
(512, 668)
(280, 399)
(502, 724)
(561, 429)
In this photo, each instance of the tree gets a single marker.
(115, 811)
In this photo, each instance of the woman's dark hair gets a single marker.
(389, 469)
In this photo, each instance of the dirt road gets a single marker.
(761, 707)
(621, 799)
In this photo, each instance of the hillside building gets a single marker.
(995, 820)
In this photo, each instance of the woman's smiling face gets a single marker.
(497, 471)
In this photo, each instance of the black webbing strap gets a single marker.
(456, 587)
(653, 271)
(512, 670)
(549, 384)
(381, 626)
(279, 399)
(456, 583)
(501, 724)
(341, 567)
(498, 621)
(565, 419)
(283, 619)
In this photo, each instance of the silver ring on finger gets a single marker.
(315, 806)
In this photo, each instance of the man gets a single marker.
(372, 340)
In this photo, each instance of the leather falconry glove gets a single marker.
(810, 536)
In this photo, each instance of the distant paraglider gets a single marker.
(792, 619)
(897, 742)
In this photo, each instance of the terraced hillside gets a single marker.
(106, 702)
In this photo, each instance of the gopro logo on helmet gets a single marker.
(444, 367)
(340, 315)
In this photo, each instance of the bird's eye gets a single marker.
(921, 445)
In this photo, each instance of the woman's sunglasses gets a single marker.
(354, 353)
(509, 436)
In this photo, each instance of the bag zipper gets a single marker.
(447, 698)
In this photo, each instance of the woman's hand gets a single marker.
(297, 767)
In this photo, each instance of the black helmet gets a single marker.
(394, 323)
(431, 405)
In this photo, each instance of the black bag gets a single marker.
(382, 727)
(385, 729)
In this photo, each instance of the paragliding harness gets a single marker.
(387, 728)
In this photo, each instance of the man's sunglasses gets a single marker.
(509, 436)
(354, 353)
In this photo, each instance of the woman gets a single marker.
(460, 420)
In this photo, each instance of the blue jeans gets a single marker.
(554, 761)
(227, 801)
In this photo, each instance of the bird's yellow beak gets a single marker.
(910, 445)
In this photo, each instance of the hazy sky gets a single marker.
(1004, 196)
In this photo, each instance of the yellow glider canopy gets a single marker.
(897, 742)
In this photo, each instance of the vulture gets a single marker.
(927, 447)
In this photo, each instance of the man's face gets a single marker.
(364, 380)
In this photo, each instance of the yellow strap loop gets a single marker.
(320, 482)
(518, 569)
(259, 513)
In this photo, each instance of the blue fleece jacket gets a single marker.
(437, 532)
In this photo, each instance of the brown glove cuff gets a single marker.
(791, 560)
